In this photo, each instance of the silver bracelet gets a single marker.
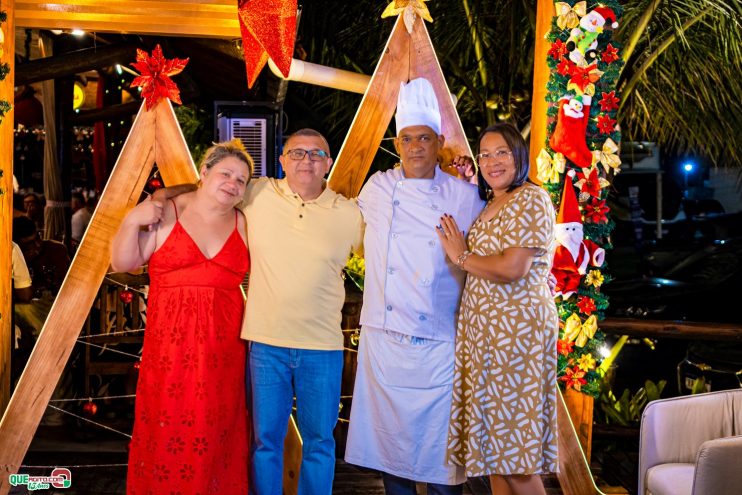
(462, 258)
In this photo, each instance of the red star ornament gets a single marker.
(586, 305)
(154, 79)
(606, 125)
(596, 211)
(610, 54)
(268, 29)
(609, 102)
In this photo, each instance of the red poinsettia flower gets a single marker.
(610, 54)
(558, 48)
(596, 211)
(606, 125)
(589, 181)
(582, 76)
(565, 348)
(573, 378)
(154, 78)
(609, 102)
(586, 305)
(565, 67)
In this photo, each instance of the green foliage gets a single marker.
(195, 124)
(627, 410)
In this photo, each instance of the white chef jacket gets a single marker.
(410, 285)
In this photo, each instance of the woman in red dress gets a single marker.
(191, 424)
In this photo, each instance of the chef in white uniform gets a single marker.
(402, 396)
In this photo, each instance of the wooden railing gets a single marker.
(672, 329)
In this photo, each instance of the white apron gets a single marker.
(401, 407)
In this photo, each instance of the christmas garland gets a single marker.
(577, 161)
(4, 67)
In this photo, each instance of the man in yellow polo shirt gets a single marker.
(300, 234)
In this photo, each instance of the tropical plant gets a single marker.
(680, 84)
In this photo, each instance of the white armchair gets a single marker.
(692, 445)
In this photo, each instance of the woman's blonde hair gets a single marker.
(226, 149)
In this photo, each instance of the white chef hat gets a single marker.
(417, 105)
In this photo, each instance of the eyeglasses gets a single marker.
(497, 156)
(299, 154)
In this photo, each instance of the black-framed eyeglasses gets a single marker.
(314, 155)
(498, 155)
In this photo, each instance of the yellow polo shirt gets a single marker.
(297, 251)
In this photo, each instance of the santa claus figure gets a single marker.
(574, 253)
(569, 137)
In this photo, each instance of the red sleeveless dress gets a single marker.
(191, 423)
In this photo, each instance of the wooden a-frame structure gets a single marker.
(155, 138)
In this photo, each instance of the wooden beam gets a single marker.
(204, 18)
(539, 106)
(373, 116)
(672, 329)
(72, 63)
(574, 473)
(76, 296)
(406, 56)
(6, 203)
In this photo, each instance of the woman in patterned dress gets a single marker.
(503, 414)
(191, 424)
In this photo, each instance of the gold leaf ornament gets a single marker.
(549, 169)
(409, 10)
(607, 156)
(569, 17)
(575, 330)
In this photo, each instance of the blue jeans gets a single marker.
(276, 375)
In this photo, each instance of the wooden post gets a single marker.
(6, 203)
(539, 106)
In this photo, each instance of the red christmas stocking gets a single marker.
(569, 135)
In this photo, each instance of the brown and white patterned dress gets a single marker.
(503, 414)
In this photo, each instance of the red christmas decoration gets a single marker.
(558, 49)
(606, 125)
(154, 79)
(126, 296)
(573, 378)
(582, 76)
(565, 67)
(565, 348)
(90, 408)
(268, 29)
(137, 365)
(155, 183)
(610, 54)
(586, 305)
(590, 182)
(609, 102)
(596, 211)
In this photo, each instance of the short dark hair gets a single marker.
(23, 227)
(519, 148)
(310, 133)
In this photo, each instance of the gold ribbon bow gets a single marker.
(549, 169)
(607, 156)
(409, 10)
(569, 17)
(580, 332)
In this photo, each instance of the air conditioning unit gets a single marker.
(257, 126)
